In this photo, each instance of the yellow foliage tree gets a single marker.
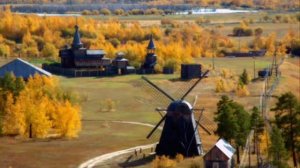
(40, 109)
(14, 119)
(242, 90)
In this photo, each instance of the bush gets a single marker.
(179, 157)
(195, 165)
(119, 12)
(240, 31)
(105, 11)
(86, 12)
(163, 162)
(108, 105)
(242, 90)
(4, 50)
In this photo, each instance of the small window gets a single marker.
(215, 165)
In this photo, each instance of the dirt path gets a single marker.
(100, 159)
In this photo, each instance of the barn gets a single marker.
(21, 68)
(220, 156)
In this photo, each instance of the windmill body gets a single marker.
(180, 133)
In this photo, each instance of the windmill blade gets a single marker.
(195, 101)
(204, 128)
(150, 96)
(202, 76)
(157, 88)
(157, 125)
(160, 111)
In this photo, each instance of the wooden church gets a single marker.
(77, 56)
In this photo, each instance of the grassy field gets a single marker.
(101, 136)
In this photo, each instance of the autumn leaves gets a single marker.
(38, 110)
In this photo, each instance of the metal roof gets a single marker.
(95, 52)
(22, 68)
(225, 147)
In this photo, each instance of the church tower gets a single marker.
(77, 44)
(151, 59)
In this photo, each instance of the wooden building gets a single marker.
(77, 56)
(150, 60)
(190, 71)
(21, 68)
(220, 156)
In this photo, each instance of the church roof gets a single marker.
(22, 68)
(76, 39)
(151, 44)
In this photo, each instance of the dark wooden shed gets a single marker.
(220, 156)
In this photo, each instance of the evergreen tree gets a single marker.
(287, 118)
(226, 123)
(233, 122)
(277, 149)
(257, 124)
(244, 78)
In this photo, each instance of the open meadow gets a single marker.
(99, 135)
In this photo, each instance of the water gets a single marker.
(202, 11)
(52, 14)
(198, 11)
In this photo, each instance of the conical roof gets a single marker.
(151, 44)
(76, 39)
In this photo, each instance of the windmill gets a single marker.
(180, 130)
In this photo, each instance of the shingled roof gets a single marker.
(22, 68)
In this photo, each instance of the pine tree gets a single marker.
(226, 122)
(244, 78)
(277, 149)
(233, 122)
(287, 118)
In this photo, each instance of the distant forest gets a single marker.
(268, 4)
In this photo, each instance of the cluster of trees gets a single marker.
(268, 4)
(37, 108)
(120, 12)
(32, 36)
(234, 124)
(227, 82)
(286, 130)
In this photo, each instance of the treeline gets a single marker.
(33, 36)
(265, 4)
(37, 108)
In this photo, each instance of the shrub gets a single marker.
(86, 12)
(195, 165)
(163, 162)
(179, 157)
(242, 90)
(108, 105)
(119, 12)
(4, 50)
(105, 11)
